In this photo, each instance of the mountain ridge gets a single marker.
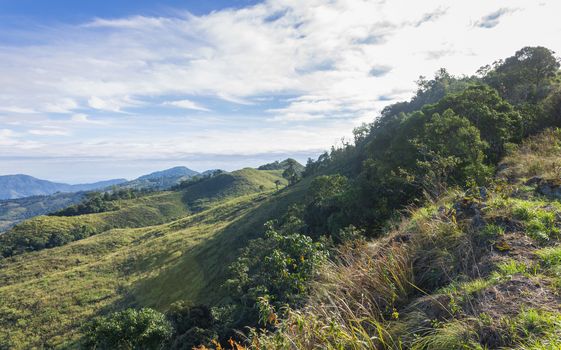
(170, 172)
(22, 185)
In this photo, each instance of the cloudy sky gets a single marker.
(91, 90)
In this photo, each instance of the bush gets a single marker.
(277, 266)
(193, 325)
(130, 329)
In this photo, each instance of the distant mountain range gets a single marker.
(161, 180)
(23, 196)
(19, 186)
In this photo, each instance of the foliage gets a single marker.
(99, 202)
(292, 172)
(436, 283)
(429, 91)
(451, 152)
(323, 204)
(130, 329)
(419, 285)
(526, 76)
(193, 325)
(278, 266)
(153, 266)
(496, 120)
(94, 203)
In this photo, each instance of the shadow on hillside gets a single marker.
(198, 275)
(207, 189)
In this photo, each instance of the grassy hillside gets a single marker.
(48, 231)
(46, 296)
(474, 270)
(236, 183)
(13, 211)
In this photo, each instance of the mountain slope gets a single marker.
(473, 270)
(17, 209)
(283, 165)
(56, 290)
(236, 183)
(161, 180)
(18, 186)
(49, 231)
(13, 211)
(179, 171)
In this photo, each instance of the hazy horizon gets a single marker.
(133, 169)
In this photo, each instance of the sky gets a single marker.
(92, 90)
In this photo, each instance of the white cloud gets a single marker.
(104, 104)
(325, 64)
(187, 104)
(6, 133)
(10, 140)
(49, 131)
(18, 110)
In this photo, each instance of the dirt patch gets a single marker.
(520, 292)
(515, 245)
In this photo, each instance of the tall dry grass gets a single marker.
(357, 301)
(536, 156)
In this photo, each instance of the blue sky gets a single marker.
(91, 90)
(83, 10)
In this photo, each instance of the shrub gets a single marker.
(279, 266)
(193, 325)
(130, 329)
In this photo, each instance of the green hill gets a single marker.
(236, 183)
(49, 231)
(57, 290)
(13, 211)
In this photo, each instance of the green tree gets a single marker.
(450, 151)
(193, 325)
(498, 122)
(524, 77)
(324, 203)
(290, 173)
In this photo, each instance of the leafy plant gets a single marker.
(145, 329)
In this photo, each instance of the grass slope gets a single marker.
(236, 183)
(469, 271)
(36, 233)
(13, 211)
(46, 296)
